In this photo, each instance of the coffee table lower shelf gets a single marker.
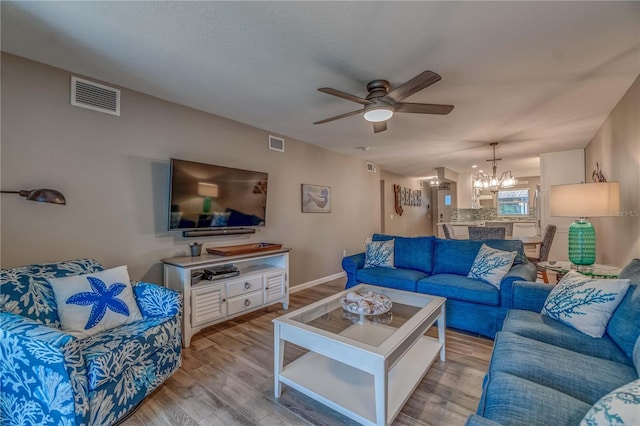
(350, 391)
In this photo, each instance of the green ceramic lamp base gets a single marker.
(582, 243)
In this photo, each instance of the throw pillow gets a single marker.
(92, 303)
(620, 407)
(220, 218)
(491, 265)
(379, 254)
(584, 303)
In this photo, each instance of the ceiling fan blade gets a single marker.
(414, 85)
(337, 117)
(380, 126)
(422, 108)
(344, 95)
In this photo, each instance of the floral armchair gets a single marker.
(50, 377)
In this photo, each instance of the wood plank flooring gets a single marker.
(226, 379)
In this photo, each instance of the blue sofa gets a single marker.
(543, 372)
(50, 377)
(439, 267)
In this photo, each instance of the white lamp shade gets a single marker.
(585, 199)
(207, 189)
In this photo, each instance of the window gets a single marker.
(513, 202)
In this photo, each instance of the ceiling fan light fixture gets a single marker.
(378, 113)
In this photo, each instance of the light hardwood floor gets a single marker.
(226, 379)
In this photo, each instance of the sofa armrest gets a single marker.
(521, 272)
(351, 264)
(44, 378)
(476, 420)
(530, 296)
(156, 301)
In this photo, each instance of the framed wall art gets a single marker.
(316, 198)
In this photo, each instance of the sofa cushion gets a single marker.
(584, 303)
(401, 279)
(458, 287)
(379, 254)
(91, 303)
(546, 329)
(620, 407)
(411, 252)
(514, 401)
(491, 265)
(26, 290)
(110, 353)
(457, 256)
(581, 376)
(624, 325)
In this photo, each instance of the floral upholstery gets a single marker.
(50, 377)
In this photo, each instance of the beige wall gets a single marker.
(616, 147)
(114, 172)
(414, 220)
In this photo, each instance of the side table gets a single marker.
(595, 270)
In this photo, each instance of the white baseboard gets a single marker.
(319, 281)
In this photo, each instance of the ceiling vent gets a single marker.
(370, 167)
(90, 95)
(276, 144)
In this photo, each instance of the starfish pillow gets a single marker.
(92, 303)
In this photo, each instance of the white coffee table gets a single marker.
(361, 367)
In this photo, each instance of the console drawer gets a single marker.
(244, 302)
(245, 285)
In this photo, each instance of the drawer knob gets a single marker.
(247, 286)
(247, 302)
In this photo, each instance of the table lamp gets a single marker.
(208, 191)
(581, 201)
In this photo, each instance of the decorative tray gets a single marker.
(243, 249)
(366, 303)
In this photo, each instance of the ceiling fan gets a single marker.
(380, 104)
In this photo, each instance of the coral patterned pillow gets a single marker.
(584, 303)
(92, 303)
(619, 407)
(491, 265)
(379, 254)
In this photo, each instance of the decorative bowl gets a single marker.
(366, 303)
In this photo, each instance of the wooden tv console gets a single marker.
(263, 280)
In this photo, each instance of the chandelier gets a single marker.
(482, 181)
(434, 181)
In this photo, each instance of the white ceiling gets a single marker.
(534, 76)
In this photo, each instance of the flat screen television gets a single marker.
(206, 196)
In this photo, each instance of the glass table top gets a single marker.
(595, 270)
(370, 329)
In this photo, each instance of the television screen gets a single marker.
(204, 196)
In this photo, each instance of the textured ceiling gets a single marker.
(534, 76)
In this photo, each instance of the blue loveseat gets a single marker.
(50, 377)
(439, 267)
(543, 372)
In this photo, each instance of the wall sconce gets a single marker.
(42, 195)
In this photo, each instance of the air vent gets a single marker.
(370, 167)
(90, 95)
(276, 144)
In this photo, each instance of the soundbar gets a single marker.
(214, 232)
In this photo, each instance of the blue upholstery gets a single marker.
(411, 253)
(581, 376)
(457, 256)
(51, 377)
(400, 279)
(545, 329)
(514, 401)
(624, 325)
(472, 305)
(545, 372)
(458, 287)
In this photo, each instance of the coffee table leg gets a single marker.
(278, 360)
(380, 390)
(441, 331)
